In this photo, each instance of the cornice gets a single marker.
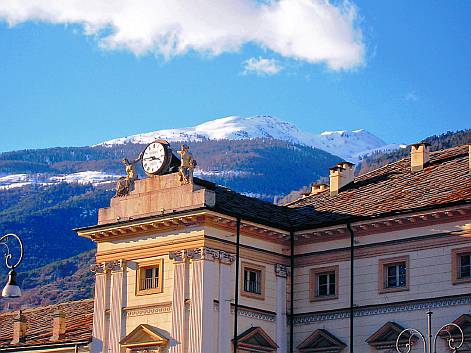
(386, 224)
(181, 221)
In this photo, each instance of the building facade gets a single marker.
(199, 268)
(192, 267)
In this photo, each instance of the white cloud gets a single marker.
(314, 31)
(261, 66)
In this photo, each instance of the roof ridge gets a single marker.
(38, 308)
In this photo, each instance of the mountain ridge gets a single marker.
(350, 145)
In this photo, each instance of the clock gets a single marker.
(156, 157)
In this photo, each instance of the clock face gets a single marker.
(154, 157)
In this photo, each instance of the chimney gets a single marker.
(340, 175)
(419, 156)
(316, 189)
(20, 326)
(58, 325)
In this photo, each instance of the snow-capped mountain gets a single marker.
(350, 145)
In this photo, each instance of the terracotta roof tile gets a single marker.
(393, 188)
(386, 190)
(78, 316)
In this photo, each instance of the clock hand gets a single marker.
(149, 158)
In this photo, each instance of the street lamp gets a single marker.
(445, 329)
(11, 290)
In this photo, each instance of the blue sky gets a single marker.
(402, 72)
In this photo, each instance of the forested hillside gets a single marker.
(45, 216)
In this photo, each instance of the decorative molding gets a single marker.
(177, 256)
(226, 257)
(157, 225)
(253, 313)
(116, 230)
(98, 268)
(103, 267)
(210, 254)
(281, 270)
(117, 265)
(249, 312)
(310, 318)
(147, 310)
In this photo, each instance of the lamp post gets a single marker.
(430, 338)
(11, 289)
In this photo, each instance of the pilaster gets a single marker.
(225, 296)
(281, 273)
(203, 288)
(116, 303)
(178, 302)
(99, 308)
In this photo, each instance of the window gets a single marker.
(326, 284)
(253, 278)
(394, 274)
(149, 278)
(323, 283)
(461, 265)
(252, 281)
(464, 266)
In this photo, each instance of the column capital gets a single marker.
(203, 253)
(177, 256)
(281, 270)
(226, 258)
(116, 265)
(103, 267)
(98, 268)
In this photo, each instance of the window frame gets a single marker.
(314, 274)
(456, 264)
(383, 273)
(255, 267)
(141, 267)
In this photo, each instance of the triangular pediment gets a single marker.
(387, 335)
(257, 340)
(144, 336)
(321, 341)
(464, 321)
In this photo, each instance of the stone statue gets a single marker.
(125, 184)
(187, 165)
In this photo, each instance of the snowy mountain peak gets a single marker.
(349, 145)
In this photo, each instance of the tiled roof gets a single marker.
(78, 316)
(387, 190)
(392, 189)
(251, 209)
